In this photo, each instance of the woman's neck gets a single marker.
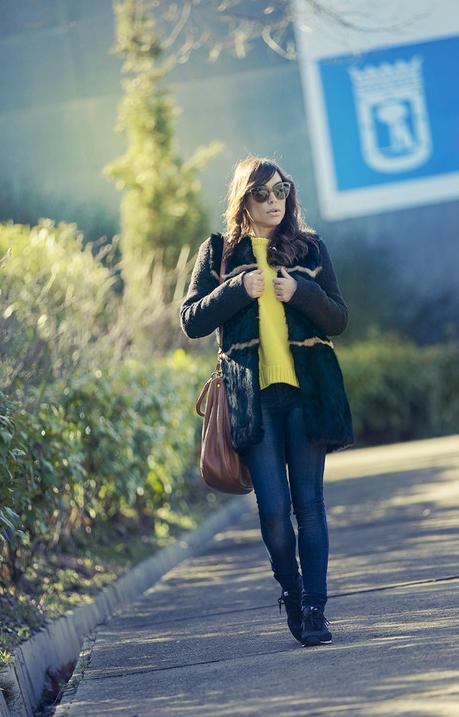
(259, 235)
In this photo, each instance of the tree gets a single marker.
(235, 26)
(161, 209)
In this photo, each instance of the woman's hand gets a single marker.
(254, 283)
(284, 286)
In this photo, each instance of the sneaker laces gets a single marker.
(286, 597)
(281, 602)
(317, 618)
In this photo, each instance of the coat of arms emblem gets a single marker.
(392, 115)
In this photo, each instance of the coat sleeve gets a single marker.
(321, 300)
(209, 304)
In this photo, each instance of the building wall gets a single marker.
(60, 88)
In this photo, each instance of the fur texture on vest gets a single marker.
(325, 405)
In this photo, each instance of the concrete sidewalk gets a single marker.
(208, 640)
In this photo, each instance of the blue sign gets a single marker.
(392, 113)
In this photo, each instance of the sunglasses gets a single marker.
(261, 193)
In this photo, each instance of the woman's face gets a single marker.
(265, 216)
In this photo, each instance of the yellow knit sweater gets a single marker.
(275, 358)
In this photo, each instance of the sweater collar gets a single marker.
(243, 257)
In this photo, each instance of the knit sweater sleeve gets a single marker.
(321, 300)
(209, 304)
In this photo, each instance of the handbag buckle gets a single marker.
(218, 370)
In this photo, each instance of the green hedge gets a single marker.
(400, 391)
(85, 450)
(57, 304)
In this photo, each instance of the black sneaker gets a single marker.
(314, 627)
(292, 601)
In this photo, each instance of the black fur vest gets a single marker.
(325, 405)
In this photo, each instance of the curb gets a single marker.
(57, 644)
(71, 688)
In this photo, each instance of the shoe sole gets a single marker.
(313, 641)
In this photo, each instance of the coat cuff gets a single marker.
(329, 315)
(239, 293)
(307, 295)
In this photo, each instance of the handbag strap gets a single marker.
(218, 371)
(201, 396)
(222, 271)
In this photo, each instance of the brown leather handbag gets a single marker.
(221, 466)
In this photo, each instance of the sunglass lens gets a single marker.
(282, 191)
(260, 194)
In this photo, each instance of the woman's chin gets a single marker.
(275, 220)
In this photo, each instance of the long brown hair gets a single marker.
(291, 238)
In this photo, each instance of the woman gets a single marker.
(278, 305)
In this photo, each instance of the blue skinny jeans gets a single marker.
(285, 445)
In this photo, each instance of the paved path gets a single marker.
(208, 640)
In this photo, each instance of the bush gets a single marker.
(400, 391)
(56, 304)
(89, 448)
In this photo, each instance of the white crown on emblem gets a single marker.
(387, 76)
